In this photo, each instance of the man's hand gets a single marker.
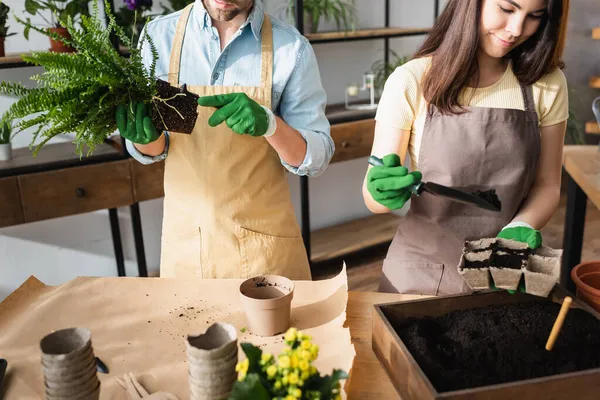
(135, 124)
(389, 184)
(242, 114)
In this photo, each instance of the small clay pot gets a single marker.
(267, 302)
(587, 281)
(2, 39)
(56, 45)
(219, 340)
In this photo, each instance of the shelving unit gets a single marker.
(593, 127)
(352, 132)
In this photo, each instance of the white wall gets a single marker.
(60, 249)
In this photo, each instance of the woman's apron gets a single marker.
(227, 206)
(484, 148)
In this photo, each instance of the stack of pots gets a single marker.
(69, 365)
(212, 357)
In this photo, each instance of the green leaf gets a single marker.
(32, 6)
(253, 353)
(249, 388)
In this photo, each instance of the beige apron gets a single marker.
(227, 206)
(484, 148)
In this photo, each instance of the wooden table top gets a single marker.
(582, 163)
(368, 378)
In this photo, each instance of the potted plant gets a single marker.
(79, 92)
(4, 9)
(175, 5)
(291, 375)
(131, 18)
(342, 12)
(383, 70)
(60, 10)
(6, 135)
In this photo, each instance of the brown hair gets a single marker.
(454, 40)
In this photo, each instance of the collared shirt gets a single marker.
(298, 96)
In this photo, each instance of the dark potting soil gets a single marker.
(510, 258)
(500, 344)
(164, 116)
(490, 196)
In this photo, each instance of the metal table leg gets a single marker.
(573, 234)
(305, 214)
(116, 238)
(136, 222)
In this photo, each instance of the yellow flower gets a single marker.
(266, 357)
(303, 365)
(314, 351)
(284, 380)
(271, 371)
(242, 366)
(295, 392)
(337, 397)
(277, 385)
(305, 375)
(283, 362)
(290, 335)
(241, 376)
(287, 350)
(294, 361)
(313, 370)
(306, 344)
(293, 378)
(290, 397)
(306, 355)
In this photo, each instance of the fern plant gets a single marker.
(79, 92)
(383, 70)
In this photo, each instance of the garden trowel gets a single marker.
(445, 191)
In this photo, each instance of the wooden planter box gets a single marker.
(411, 382)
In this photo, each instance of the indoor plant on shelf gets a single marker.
(6, 135)
(80, 92)
(291, 375)
(383, 70)
(4, 9)
(60, 11)
(342, 12)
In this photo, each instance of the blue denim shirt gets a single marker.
(298, 96)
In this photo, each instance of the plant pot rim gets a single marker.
(251, 284)
(579, 283)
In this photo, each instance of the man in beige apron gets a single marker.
(484, 148)
(227, 206)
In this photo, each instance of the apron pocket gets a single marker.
(181, 255)
(263, 254)
(410, 277)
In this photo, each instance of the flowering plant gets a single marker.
(289, 376)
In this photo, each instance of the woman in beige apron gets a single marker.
(480, 149)
(227, 207)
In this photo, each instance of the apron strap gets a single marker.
(527, 92)
(178, 45)
(266, 79)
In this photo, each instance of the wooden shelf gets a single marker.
(596, 33)
(364, 34)
(595, 82)
(13, 60)
(349, 237)
(592, 127)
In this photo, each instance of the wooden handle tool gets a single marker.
(559, 322)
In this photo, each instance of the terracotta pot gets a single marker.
(2, 54)
(267, 301)
(58, 46)
(587, 280)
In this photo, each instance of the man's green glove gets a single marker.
(523, 234)
(135, 124)
(389, 184)
(242, 114)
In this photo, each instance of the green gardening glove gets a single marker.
(523, 234)
(242, 114)
(389, 184)
(135, 124)
(520, 288)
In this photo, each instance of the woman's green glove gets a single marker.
(523, 234)
(135, 124)
(242, 114)
(389, 184)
